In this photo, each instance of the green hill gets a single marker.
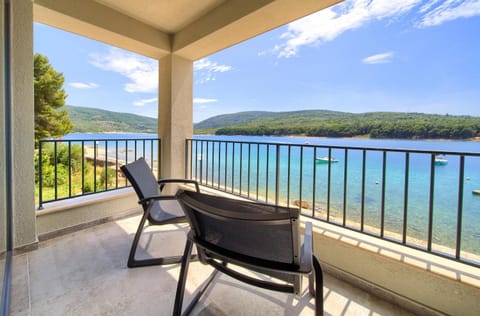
(100, 121)
(262, 117)
(341, 124)
(321, 123)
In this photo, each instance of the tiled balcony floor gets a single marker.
(85, 273)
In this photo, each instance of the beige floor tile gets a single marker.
(85, 273)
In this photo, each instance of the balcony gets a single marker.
(85, 273)
(370, 269)
(79, 265)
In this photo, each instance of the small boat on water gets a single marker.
(325, 159)
(440, 161)
(476, 192)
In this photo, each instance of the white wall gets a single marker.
(22, 123)
(2, 140)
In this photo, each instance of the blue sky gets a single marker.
(359, 56)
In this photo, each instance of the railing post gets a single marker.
(431, 202)
(384, 179)
(277, 175)
(83, 167)
(329, 181)
(40, 176)
(345, 187)
(159, 160)
(95, 147)
(116, 161)
(405, 198)
(69, 168)
(56, 169)
(186, 158)
(362, 210)
(458, 243)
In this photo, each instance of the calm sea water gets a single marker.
(315, 189)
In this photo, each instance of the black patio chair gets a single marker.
(260, 237)
(158, 209)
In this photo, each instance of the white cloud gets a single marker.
(83, 85)
(141, 71)
(202, 101)
(142, 102)
(329, 23)
(427, 6)
(206, 64)
(206, 69)
(379, 58)
(448, 10)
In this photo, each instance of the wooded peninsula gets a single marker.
(322, 123)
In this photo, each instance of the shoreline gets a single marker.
(365, 137)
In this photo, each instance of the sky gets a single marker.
(358, 56)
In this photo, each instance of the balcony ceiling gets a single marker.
(167, 16)
(189, 28)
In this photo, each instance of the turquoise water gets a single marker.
(227, 167)
(210, 167)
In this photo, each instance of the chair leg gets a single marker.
(200, 293)
(134, 263)
(317, 270)
(311, 283)
(177, 308)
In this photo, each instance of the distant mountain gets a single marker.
(100, 121)
(321, 123)
(253, 117)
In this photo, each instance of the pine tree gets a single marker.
(50, 119)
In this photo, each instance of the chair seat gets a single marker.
(158, 209)
(166, 211)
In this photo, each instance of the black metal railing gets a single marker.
(412, 197)
(70, 168)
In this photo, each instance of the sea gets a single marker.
(344, 201)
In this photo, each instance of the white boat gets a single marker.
(326, 160)
(440, 161)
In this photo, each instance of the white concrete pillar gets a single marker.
(3, 170)
(22, 122)
(175, 113)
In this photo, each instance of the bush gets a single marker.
(88, 187)
(105, 179)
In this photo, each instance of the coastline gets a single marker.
(363, 137)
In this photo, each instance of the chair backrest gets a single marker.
(141, 178)
(251, 230)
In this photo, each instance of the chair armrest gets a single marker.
(306, 250)
(161, 182)
(156, 198)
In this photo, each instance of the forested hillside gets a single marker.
(100, 121)
(251, 117)
(310, 123)
(339, 124)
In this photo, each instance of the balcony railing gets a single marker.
(411, 197)
(78, 167)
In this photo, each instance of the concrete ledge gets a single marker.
(78, 213)
(423, 283)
